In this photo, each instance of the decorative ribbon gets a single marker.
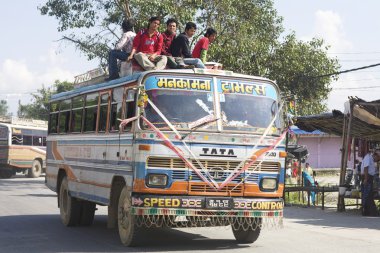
(260, 152)
(178, 151)
(208, 178)
(256, 155)
(212, 183)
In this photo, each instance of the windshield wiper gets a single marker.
(202, 124)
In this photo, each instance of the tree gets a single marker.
(39, 108)
(250, 38)
(296, 66)
(3, 108)
(93, 25)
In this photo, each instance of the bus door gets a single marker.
(125, 138)
(4, 144)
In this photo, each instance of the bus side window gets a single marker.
(116, 108)
(76, 115)
(91, 112)
(27, 140)
(103, 111)
(37, 141)
(130, 107)
(53, 118)
(64, 116)
(17, 139)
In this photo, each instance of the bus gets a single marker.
(170, 148)
(22, 146)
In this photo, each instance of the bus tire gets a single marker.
(246, 236)
(87, 213)
(6, 173)
(128, 230)
(36, 169)
(69, 207)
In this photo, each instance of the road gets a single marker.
(30, 222)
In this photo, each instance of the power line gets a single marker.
(354, 53)
(358, 88)
(348, 70)
(362, 60)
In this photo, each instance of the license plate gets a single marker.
(219, 203)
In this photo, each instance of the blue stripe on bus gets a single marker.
(90, 197)
(94, 142)
(86, 89)
(149, 141)
(100, 161)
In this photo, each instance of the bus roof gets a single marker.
(23, 123)
(137, 76)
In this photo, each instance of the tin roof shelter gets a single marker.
(361, 120)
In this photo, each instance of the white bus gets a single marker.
(22, 146)
(195, 148)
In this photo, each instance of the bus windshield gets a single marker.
(192, 102)
(247, 113)
(181, 107)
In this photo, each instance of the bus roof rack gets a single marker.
(23, 121)
(90, 77)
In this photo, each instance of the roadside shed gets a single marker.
(359, 123)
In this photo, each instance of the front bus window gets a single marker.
(249, 111)
(181, 107)
(130, 106)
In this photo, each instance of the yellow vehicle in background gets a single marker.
(22, 146)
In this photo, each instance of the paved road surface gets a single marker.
(29, 222)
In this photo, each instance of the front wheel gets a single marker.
(36, 169)
(128, 230)
(69, 207)
(246, 231)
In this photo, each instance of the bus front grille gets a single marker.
(177, 163)
(207, 188)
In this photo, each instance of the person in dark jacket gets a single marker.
(180, 46)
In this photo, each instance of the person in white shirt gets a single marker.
(368, 170)
(122, 49)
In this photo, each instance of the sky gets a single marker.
(32, 54)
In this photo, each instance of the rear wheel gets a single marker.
(36, 169)
(87, 213)
(69, 207)
(128, 230)
(247, 234)
(7, 173)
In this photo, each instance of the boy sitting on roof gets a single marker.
(180, 46)
(201, 48)
(122, 49)
(147, 47)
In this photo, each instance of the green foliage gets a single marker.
(39, 108)
(296, 66)
(3, 108)
(94, 25)
(249, 38)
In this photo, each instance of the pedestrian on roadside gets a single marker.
(368, 170)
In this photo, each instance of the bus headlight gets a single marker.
(157, 180)
(268, 184)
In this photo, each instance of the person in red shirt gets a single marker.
(168, 36)
(147, 47)
(201, 48)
